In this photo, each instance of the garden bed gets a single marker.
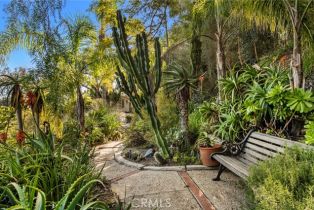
(150, 161)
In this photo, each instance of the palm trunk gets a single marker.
(183, 97)
(80, 108)
(296, 63)
(19, 117)
(36, 120)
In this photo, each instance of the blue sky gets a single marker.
(19, 57)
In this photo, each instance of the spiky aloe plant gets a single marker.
(141, 82)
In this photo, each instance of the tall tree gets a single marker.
(179, 80)
(30, 24)
(80, 34)
(287, 14)
(220, 10)
(155, 14)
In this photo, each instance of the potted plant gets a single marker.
(207, 145)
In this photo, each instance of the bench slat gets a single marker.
(261, 150)
(255, 154)
(267, 145)
(236, 167)
(276, 140)
(245, 161)
(249, 157)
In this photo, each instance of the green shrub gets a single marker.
(71, 132)
(167, 111)
(175, 137)
(42, 167)
(135, 139)
(309, 136)
(101, 124)
(142, 126)
(284, 182)
(196, 121)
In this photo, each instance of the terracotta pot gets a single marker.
(205, 153)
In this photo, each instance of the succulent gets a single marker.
(137, 79)
(206, 140)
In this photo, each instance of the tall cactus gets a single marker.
(141, 82)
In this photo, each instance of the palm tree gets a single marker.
(287, 14)
(80, 34)
(180, 80)
(105, 11)
(12, 86)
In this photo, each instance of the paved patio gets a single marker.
(169, 189)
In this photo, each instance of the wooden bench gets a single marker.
(254, 148)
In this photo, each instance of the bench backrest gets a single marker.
(260, 146)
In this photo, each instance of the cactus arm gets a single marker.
(123, 85)
(157, 65)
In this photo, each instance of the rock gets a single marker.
(149, 153)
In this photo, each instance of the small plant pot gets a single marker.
(205, 153)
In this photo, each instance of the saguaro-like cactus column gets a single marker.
(140, 82)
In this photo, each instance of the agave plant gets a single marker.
(179, 80)
(232, 86)
(276, 75)
(231, 124)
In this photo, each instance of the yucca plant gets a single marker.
(179, 80)
(232, 86)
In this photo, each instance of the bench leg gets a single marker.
(221, 169)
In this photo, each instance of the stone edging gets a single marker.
(118, 157)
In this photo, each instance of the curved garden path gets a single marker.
(168, 189)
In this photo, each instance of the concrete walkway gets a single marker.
(169, 189)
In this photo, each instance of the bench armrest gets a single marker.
(233, 149)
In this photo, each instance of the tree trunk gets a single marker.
(220, 61)
(19, 117)
(296, 62)
(255, 51)
(239, 53)
(80, 108)
(166, 26)
(37, 121)
(183, 97)
(196, 54)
